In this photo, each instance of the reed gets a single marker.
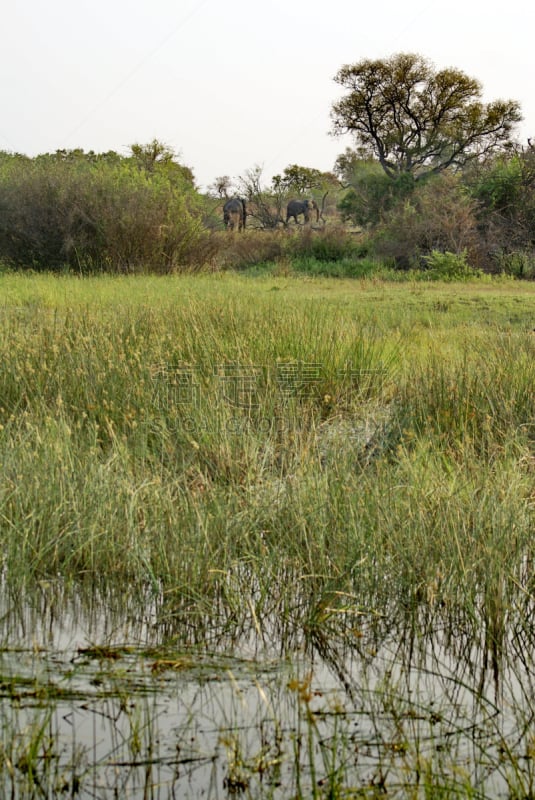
(267, 449)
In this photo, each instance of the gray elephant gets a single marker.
(297, 207)
(235, 214)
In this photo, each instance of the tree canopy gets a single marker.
(416, 120)
(300, 180)
(159, 157)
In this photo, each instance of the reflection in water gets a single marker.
(101, 698)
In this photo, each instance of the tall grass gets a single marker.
(279, 464)
(363, 459)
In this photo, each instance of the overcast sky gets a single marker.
(231, 85)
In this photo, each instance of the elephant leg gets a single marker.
(234, 220)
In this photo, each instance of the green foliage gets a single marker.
(97, 213)
(498, 185)
(371, 192)
(296, 180)
(519, 263)
(345, 267)
(156, 156)
(505, 190)
(438, 216)
(450, 266)
(417, 120)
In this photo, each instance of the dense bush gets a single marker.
(88, 212)
(370, 193)
(450, 266)
(438, 216)
(327, 244)
(519, 263)
(486, 210)
(91, 215)
(505, 191)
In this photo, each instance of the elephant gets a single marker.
(297, 207)
(235, 214)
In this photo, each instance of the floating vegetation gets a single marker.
(390, 710)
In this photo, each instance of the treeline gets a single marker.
(88, 212)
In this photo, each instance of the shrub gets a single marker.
(504, 189)
(439, 216)
(519, 263)
(240, 251)
(371, 191)
(450, 266)
(98, 215)
(328, 244)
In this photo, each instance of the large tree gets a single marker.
(416, 120)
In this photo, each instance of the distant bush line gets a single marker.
(88, 213)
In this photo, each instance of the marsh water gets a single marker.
(101, 697)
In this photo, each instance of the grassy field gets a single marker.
(342, 468)
(271, 446)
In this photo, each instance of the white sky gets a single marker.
(230, 85)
